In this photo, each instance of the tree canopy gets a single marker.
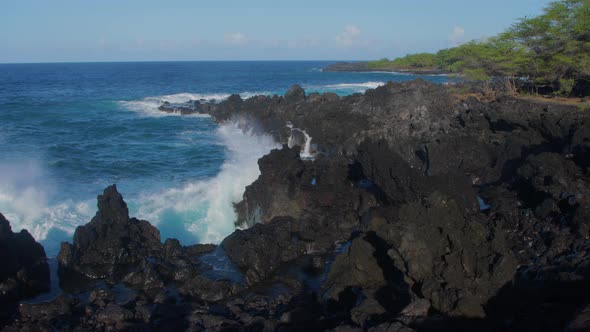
(550, 49)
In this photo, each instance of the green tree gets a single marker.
(550, 49)
(557, 44)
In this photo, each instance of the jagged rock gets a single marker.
(434, 145)
(24, 271)
(114, 315)
(260, 250)
(455, 261)
(304, 207)
(418, 308)
(205, 289)
(581, 322)
(115, 247)
(290, 187)
(400, 182)
(557, 188)
(111, 243)
(356, 267)
(362, 313)
(101, 297)
(56, 314)
(270, 195)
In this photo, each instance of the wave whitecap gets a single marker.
(149, 106)
(364, 85)
(345, 88)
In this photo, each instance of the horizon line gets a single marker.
(162, 61)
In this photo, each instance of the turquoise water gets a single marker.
(69, 130)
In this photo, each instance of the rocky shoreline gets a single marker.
(406, 208)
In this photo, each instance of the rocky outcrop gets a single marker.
(24, 271)
(426, 243)
(111, 243)
(321, 190)
(456, 261)
(260, 250)
(295, 94)
(307, 207)
(119, 249)
(456, 201)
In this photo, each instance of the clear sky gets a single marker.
(150, 30)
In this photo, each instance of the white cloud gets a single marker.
(349, 36)
(457, 36)
(235, 38)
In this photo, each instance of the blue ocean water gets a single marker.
(68, 130)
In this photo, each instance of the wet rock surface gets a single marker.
(407, 208)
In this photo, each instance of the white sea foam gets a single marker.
(149, 106)
(205, 208)
(199, 211)
(24, 201)
(344, 88)
(306, 152)
(365, 85)
(306, 149)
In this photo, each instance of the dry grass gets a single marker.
(582, 103)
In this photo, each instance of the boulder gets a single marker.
(295, 94)
(260, 250)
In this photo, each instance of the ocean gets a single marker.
(68, 130)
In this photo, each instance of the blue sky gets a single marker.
(149, 30)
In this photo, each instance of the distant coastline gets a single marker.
(365, 67)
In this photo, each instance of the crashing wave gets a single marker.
(25, 201)
(200, 211)
(206, 208)
(149, 106)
